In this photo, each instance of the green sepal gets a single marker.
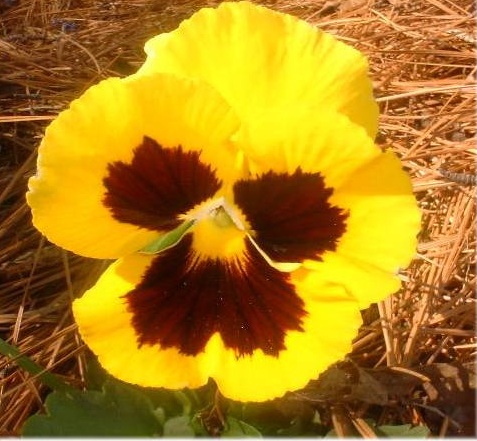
(167, 240)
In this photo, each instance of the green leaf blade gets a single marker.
(238, 429)
(118, 410)
(178, 427)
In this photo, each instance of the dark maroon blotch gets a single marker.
(157, 186)
(290, 215)
(182, 301)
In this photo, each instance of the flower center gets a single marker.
(223, 213)
(224, 254)
(217, 236)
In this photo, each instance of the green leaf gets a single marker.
(178, 427)
(95, 375)
(117, 410)
(168, 239)
(237, 428)
(404, 431)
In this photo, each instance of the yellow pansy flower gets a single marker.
(250, 131)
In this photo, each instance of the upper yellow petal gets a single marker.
(259, 59)
(105, 125)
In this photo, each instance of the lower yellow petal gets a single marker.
(324, 336)
(363, 281)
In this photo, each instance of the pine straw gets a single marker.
(422, 63)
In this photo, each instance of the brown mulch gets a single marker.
(422, 58)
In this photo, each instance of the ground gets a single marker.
(413, 361)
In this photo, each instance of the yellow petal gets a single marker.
(381, 231)
(109, 328)
(104, 126)
(383, 219)
(363, 280)
(259, 59)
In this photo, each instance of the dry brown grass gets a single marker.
(422, 57)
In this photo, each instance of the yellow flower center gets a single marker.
(214, 240)
(219, 231)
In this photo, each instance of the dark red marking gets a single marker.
(291, 215)
(182, 301)
(157, 186)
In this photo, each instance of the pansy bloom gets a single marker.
(248, 134)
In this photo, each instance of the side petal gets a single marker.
(260, 59)
(368, 185)
(103, 129)
(381, 231)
